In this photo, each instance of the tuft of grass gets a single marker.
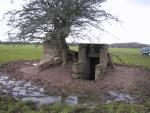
(9, 105)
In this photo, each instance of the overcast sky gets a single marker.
(134, 25)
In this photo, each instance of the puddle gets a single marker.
(44, 100)
(71, 100)
(25, 91)
(118, 97)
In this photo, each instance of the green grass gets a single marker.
(74, 48)
(17, 52)
(9, 105)
(131, 57)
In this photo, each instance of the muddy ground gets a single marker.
(56, 80)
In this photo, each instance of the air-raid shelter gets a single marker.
(93, 60)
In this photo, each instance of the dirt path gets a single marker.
(56, 80)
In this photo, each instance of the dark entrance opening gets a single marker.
(93, 61)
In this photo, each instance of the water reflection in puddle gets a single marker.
(44, 100)
(118, 97)
(27, 92)
(71, 100)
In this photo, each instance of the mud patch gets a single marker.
(25, 91)
(126, 82)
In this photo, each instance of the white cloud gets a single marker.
(135, 19)
(5, 6)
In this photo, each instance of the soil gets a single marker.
(57, 80)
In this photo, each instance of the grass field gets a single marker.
(12, 53)
(30, 52)
(130, 57)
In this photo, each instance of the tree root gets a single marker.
(48, 63)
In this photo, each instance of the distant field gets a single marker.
(12, 53)
(131, 57)
(30, 52)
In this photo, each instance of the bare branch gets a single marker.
(47, 19)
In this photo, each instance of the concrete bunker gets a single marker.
(93, 59)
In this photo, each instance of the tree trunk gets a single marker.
(64, 51)
(51, 54)
(54, 52)
(51, 49)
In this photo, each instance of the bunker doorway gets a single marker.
(93, 61)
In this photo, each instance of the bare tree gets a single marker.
(52, 21)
